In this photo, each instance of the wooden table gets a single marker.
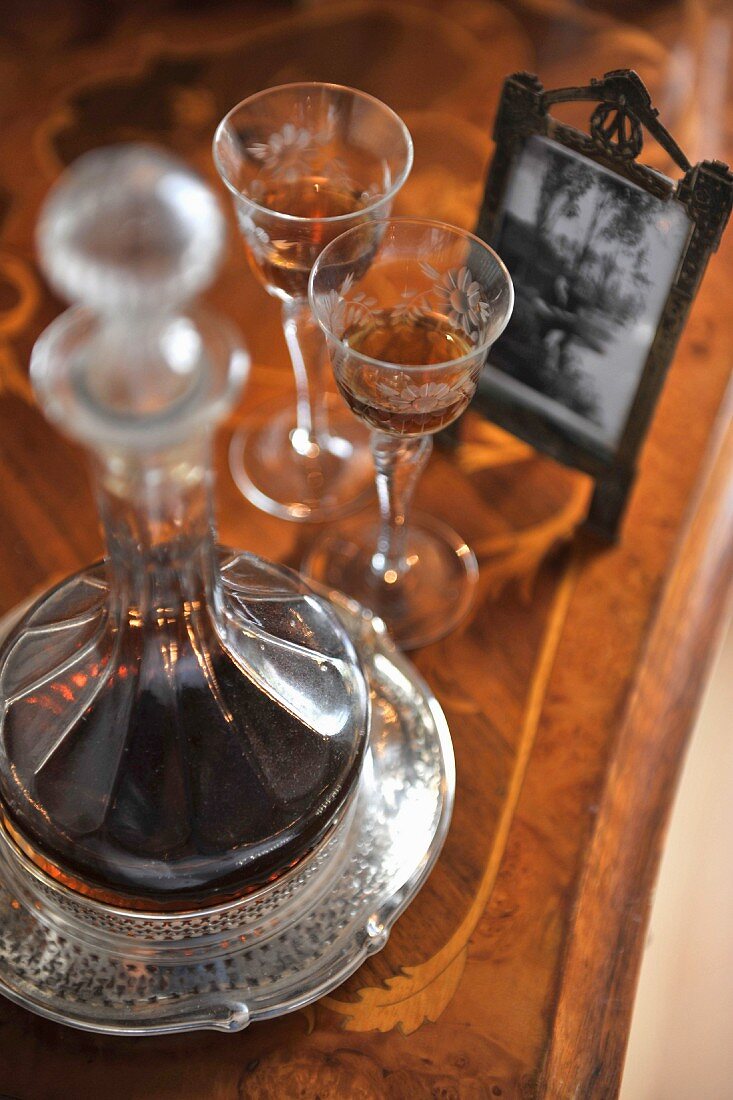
(571, 690)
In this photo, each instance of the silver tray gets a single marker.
(65, 970)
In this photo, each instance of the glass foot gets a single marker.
(427, 603)
(271, 473)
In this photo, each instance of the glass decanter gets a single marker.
(180, 723)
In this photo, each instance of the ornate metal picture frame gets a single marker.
(597, 318)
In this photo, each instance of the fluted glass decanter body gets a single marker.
(180, 723)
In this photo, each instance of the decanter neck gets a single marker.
(156, 508)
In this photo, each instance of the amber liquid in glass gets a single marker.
(286, 263)
(411, 402)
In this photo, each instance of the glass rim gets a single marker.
(455, 230)
(296, 218)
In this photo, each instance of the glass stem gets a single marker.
(399, 462)
(307, 348)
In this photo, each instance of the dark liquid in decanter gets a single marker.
(175, 779)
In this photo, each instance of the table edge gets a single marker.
(599, 972)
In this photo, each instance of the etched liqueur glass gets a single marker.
(304, 163)
(407, 335)
(180, 723)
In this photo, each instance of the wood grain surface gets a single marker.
(571, 688)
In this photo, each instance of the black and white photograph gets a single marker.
(592, 257)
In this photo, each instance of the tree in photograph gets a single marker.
(620, 216)
(619, 220)
(607, 267)
(563, 186)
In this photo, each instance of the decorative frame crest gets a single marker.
(705, 191)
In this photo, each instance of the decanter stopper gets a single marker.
(131, 235)
(130, 229)
(179, 724)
